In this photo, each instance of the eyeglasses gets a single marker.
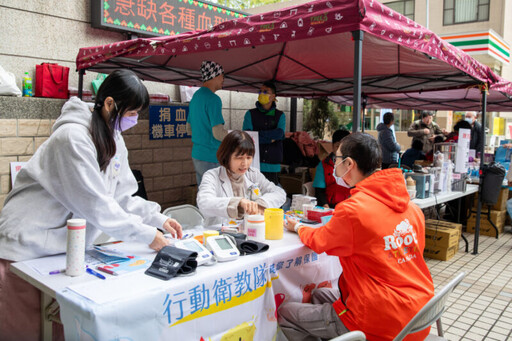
(265, 92)
(339, 157)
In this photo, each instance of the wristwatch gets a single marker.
(297, 227)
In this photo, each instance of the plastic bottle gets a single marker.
(27, 86)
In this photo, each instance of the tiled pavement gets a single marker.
(480, 308)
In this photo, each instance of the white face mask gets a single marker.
(339, 179)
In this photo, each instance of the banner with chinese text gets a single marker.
(168, 122)
(228, 301)
(159, 17)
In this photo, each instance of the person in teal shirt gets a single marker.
(205, 122)
(270, 123)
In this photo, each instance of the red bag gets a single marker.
(52, 80)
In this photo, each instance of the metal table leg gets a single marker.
(46, 324)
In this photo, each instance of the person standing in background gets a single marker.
(328, 191)
(205, 122)
(426, 131)
(270, 123)
(477, 139)
(390, 148)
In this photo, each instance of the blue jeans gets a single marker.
(509, 207)
(201, 167)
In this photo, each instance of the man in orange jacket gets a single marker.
(378, 236)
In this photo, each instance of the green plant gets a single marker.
(319, 117)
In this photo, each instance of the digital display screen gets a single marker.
(192, 246)
(223, 244)
(159, 17)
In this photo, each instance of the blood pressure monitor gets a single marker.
(223, 248)
(203, 255)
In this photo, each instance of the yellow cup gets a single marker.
(274, 223)
(209, 233)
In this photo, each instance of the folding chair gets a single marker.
(431, 313)
(351, 336)
(187, 215)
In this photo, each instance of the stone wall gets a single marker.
(166, 165)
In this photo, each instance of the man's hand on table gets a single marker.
(290, 224)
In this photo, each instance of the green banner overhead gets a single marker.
(159, 17)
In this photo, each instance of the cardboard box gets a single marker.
(486, 229)
(439, 252)
(435, 222)
(324, 149)
(500, 205)
(441, 236)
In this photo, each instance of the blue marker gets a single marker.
(94, 273)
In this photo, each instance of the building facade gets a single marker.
(481, 28)
(37, 31)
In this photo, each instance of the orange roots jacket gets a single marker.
(379, 237)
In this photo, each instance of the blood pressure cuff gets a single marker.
(172, 261)
(246, 247)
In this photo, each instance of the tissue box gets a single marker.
(316, 214)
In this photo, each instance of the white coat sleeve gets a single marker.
(76, 182)
(210, 200)
(149, 211)
(274, 196)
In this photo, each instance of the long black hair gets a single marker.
(128, 93)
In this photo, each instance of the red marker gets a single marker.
(110, 272)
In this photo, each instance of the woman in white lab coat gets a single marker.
(234, 189)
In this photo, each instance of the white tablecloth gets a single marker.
(227, 301)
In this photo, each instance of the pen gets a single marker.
(94, 273)
(54, 272)
(110, 272)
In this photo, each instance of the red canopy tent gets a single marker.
(308, 50)
(468, 99)
(313, 49)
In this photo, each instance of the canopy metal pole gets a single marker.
(364, 103)
(81, 74)
(358, 53)
(293, 114)
(482, 162)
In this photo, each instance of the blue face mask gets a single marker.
(469, 120)
(126, 122)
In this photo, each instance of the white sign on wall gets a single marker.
(461, 163)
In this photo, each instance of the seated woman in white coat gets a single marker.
(234, 189)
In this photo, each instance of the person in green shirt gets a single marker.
(205, 122)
